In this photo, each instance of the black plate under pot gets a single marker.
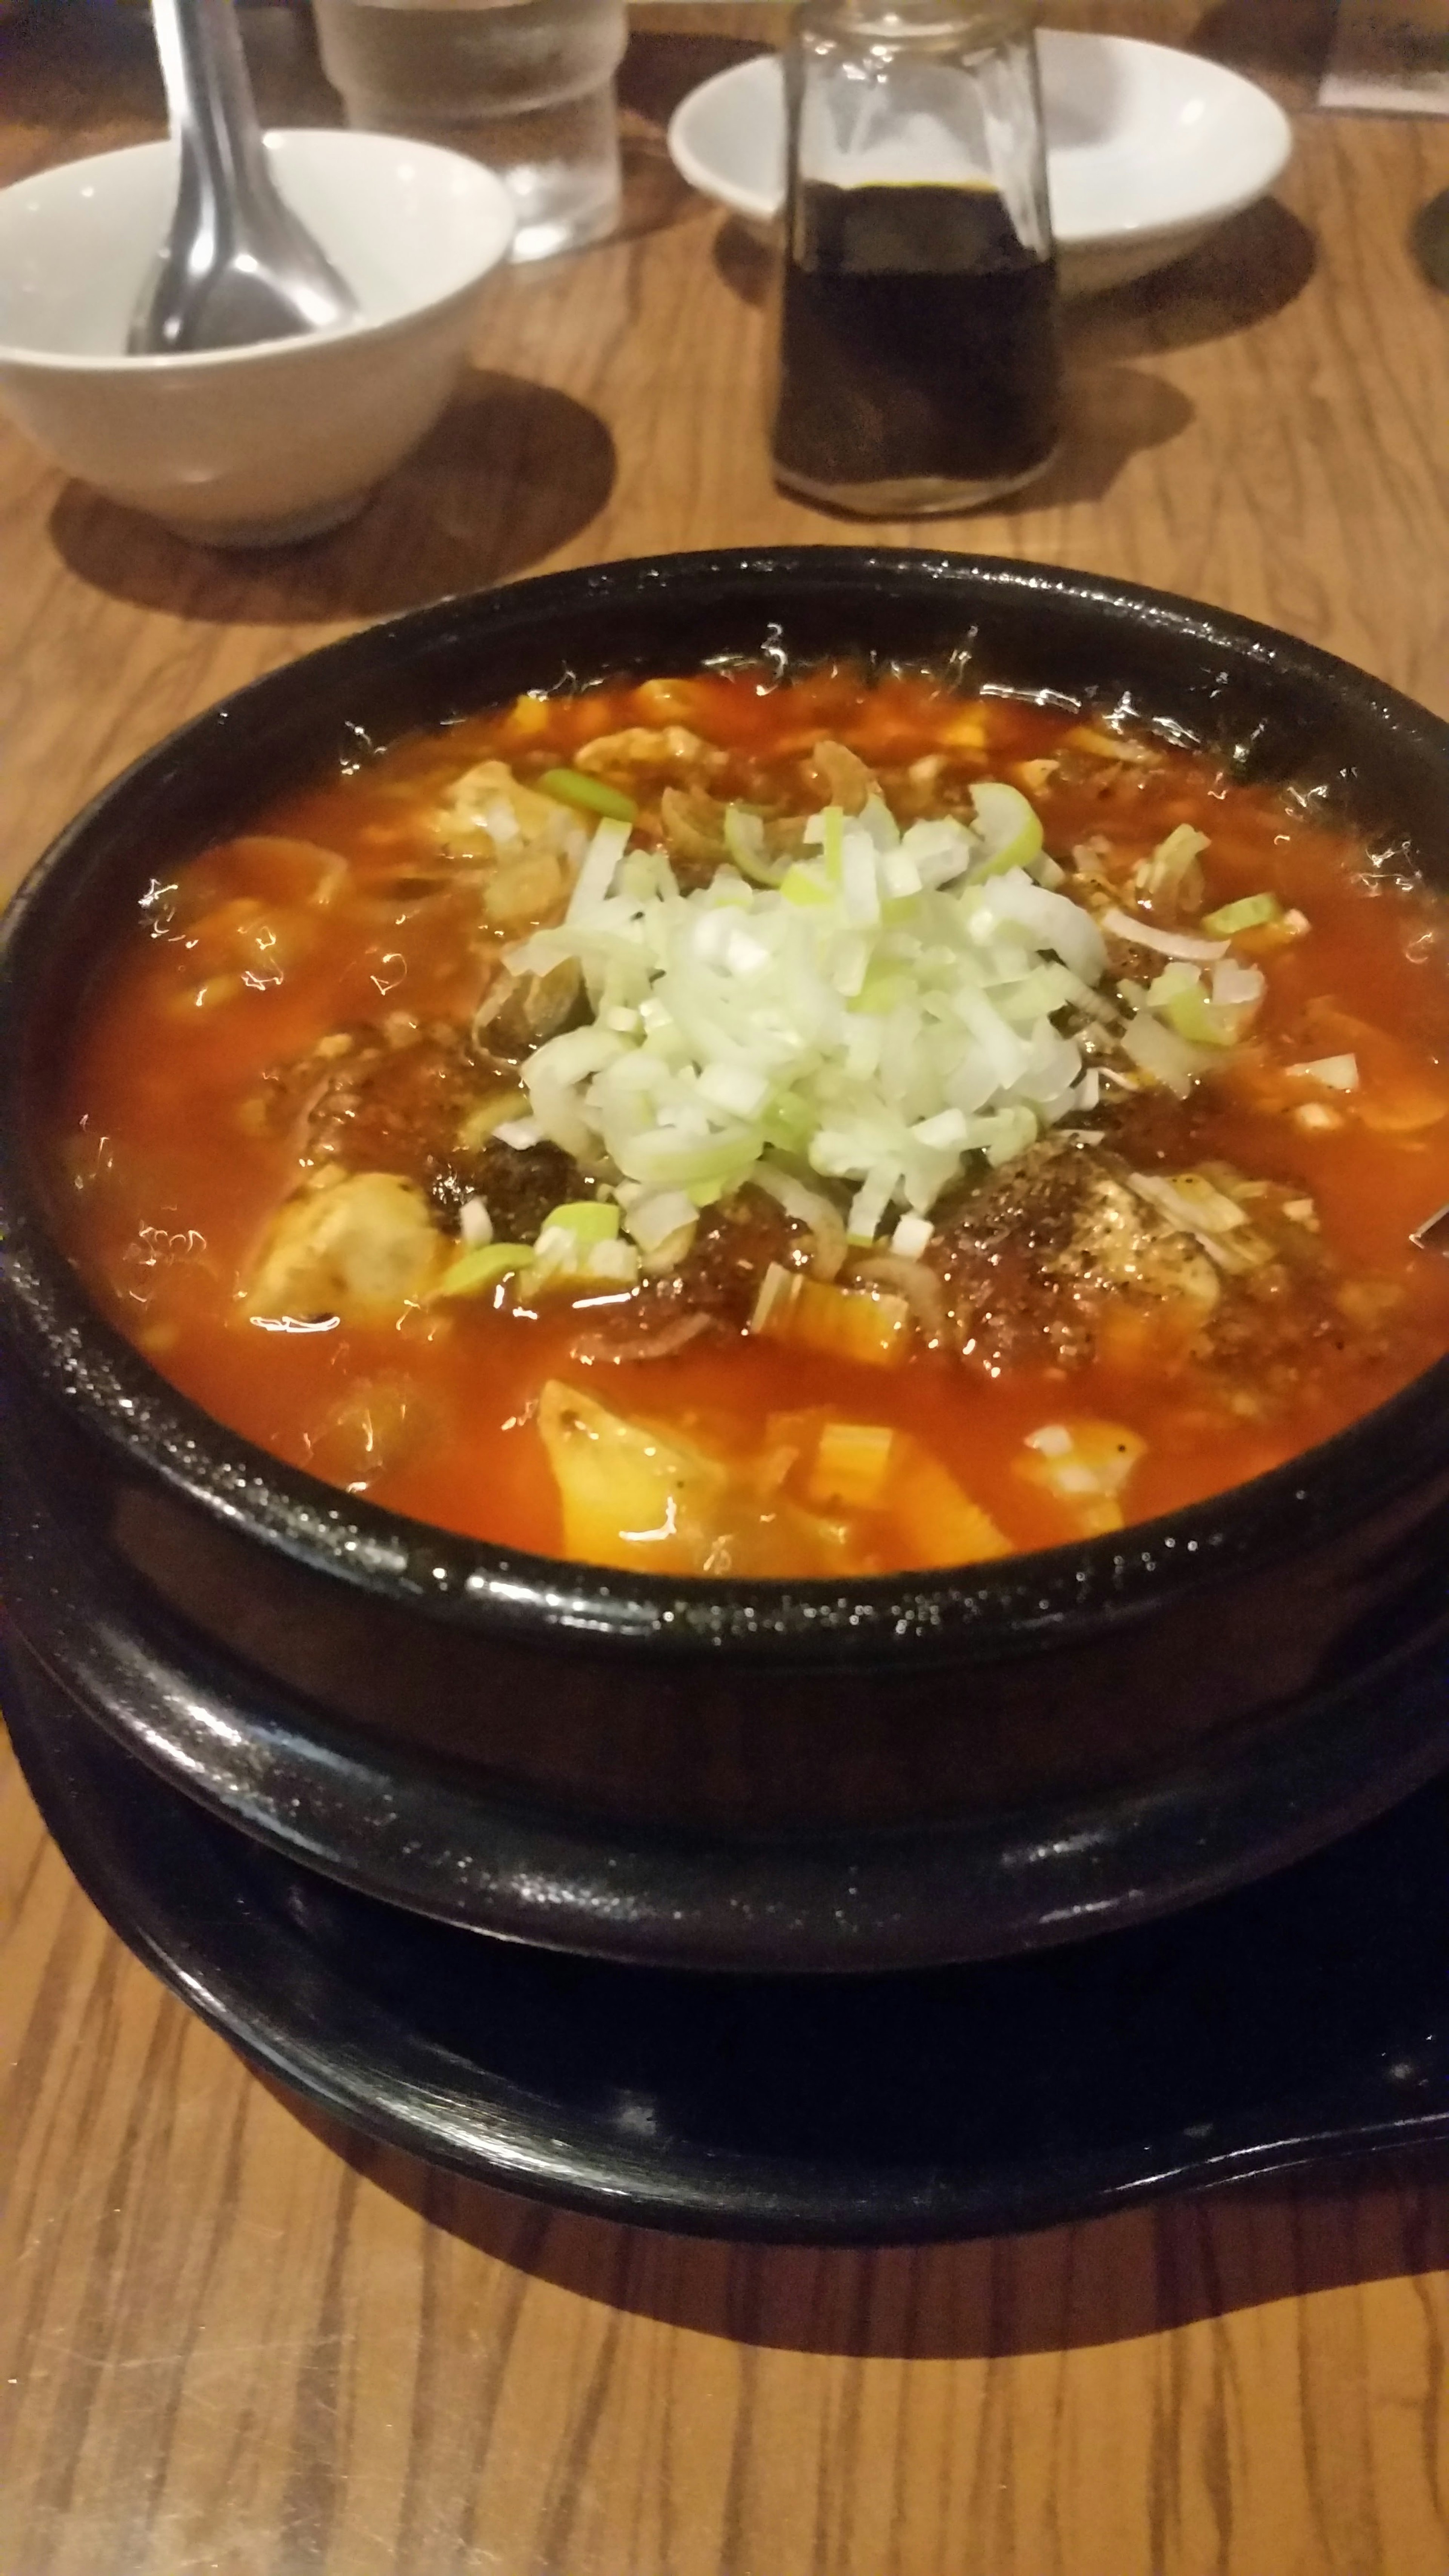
(1301, 2019)
(906, 1770)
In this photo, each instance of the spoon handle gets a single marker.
(209, 102)
(237, 266)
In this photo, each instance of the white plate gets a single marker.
(1147, 149)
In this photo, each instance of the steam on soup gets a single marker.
(729, 1127)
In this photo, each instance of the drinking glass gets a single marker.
(525, 85)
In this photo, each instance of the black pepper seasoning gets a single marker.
(918, 361)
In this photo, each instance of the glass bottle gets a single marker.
(918, 360)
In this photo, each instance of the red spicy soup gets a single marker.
(732, 1127)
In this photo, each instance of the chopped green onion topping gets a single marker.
(874, 1036)
(1201, 1021)
(574, 787)
(1172, 861)
(587, 1220)
(799, 885)
(1009, 827)
(1250, 912)
(744, 837)
(476, 1271)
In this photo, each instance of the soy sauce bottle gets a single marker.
(918, 363)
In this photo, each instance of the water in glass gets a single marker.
(525, 85)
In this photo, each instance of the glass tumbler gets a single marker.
(525, 85)
(918, 360)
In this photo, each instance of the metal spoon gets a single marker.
(238, 265)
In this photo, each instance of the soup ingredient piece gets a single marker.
(491, 814)
(260, 941)
(588, 1221)
(1009, 827)
(502, 1116)
(900, 1021)
(1194, 1205)
(355, 1245)
(911, 1237)
(630, 1494)
(932, 1521)
(1237, 987)
(525, 891)
(744, 840)
(1032, 1262)
(801, 885)
(914, 1281)
(716, 1281)
(518, 1189)
(382, 1099)
(601, 860)
(852, 1464)
(1334, 1072)
(638, 1495)
(592, 795)
(1086, 1465)
(282, 869)
(260, 868)
(867, 1467)
(1250, 912)
(1101, 745)
(1159, 1052)
(529, 715)
(519, 1012)
(638, 1348)
(373, 1428)
(820, 1216)
(1215, 1015)
(1168, 943)
(635, 1495)
(1171, 879)
(668, 751)
(842, 776)
(393, 1101)
(1400, 1092)
(733, 1244)
(844, 1323)
(579, 1244)
(693, 826)
(1190, 1010)
(474, 1273)
(661, 1222)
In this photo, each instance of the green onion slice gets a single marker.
(744, 837)
(470, 1275)
(1250, 912)
(573, 787)
(589, 1221)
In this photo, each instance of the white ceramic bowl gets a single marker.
(1148, 149)
(262, 445)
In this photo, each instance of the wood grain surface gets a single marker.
(230, 2341)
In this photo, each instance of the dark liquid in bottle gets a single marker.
(918, 340)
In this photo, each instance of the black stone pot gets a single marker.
(914, 1769)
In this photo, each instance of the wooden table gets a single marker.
(234, 2344)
